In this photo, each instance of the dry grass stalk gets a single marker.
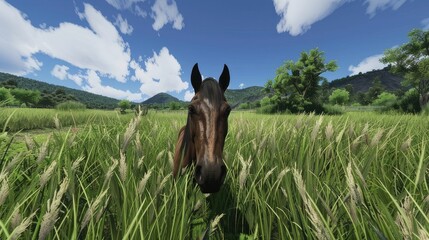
(283, 173)
(245, 170)
(24, 224)
(51, 215)
(129, 132)
(43, 150)
(92, 209)
(320, 231)
(364, 133)
(13, 162)
(162, 184)
(140, 162)
(76, 163)
(4, 191)
(160, 154)
(109, 172)
(377, 137)
(329, 131)
(405, 217)
(143, 182)
(123, 167)
(216, 221)
(29, 142)
(353, 192)
(406, 144)
(316, 128)
(16, 218)
(57, 122)
(46, 175)
(268, 174)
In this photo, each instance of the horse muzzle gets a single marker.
(210, 176)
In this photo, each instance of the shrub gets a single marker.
(385, 99)
(339, 96)
(410, 102)
(333, 109)
(70, 105)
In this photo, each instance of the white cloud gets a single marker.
(60, 71)
(164, 13)
(425, 23)
(368, 64)
(123, 4)
(123, 25)
(79, 46)
(374, 5)
(188, 95)
(95, 86)
(241, 86)
(161, 74)
(297, 16)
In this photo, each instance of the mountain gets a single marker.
(89, 99)
(161, 98)
(235, 97)
(363, 81)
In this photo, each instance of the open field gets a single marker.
(356, 176)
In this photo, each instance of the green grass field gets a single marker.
(107, 176)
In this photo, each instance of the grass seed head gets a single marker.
(29, 142)
(43, 150)
(46, 175)
(4, 191)
(123, 167)
(406, 144)
(143, 181)
(329, 131)
(24, 224)
(377, 137)
(316, 128)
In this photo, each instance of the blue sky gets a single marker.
(133, 49)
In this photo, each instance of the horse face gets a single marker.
(208, 118)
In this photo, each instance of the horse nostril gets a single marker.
(198, 174)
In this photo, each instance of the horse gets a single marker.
(201, 140)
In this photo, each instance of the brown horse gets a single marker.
(201, 141)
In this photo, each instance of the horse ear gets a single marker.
(224, 78)
(196, 78)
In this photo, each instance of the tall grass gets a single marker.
(357, 176)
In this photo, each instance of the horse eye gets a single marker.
(192, 110)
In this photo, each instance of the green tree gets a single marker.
(385, 99)
(339, 96)
(29, 97)
(6, 96)
(412, 60)
(375, 90)
(174, 105)
(124, 105)
(296, 84)
(324, 91)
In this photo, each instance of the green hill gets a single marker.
(362, 82)
(89, 99)
(236, 97)
(161, 98)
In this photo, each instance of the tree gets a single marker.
(339, 96)
(296, 84)
(412, 60)
(29, 97)
(324, 91)
(385, 99)
(124, 105)
(6, 96)
(375, 90)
